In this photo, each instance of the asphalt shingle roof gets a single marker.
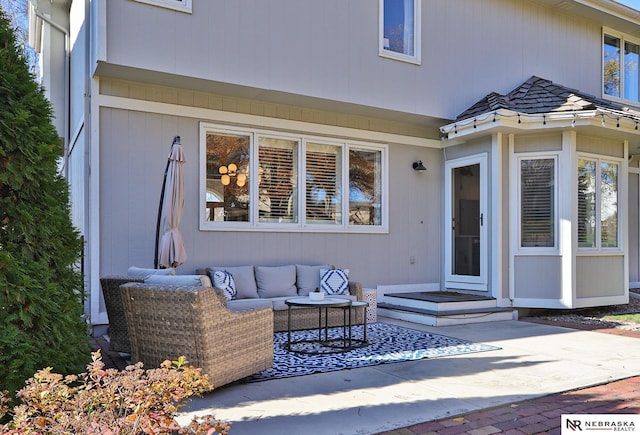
(538, 95)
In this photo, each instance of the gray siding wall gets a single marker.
(599, 276)
(538, 277)
(133, 152)
(329, 49)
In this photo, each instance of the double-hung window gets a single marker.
(399, 29)
(620, 67)
(262, 180)
(597, 203)
(537, 202)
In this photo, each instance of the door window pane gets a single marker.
(277, 180)
(227, 195)
(467, 220)
(586, 203)
(537, 202)
(323, 184)
(365, 187)
(609, 205)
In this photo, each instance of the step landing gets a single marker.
(442, 308)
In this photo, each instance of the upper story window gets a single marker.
(620, 67)
(261, 180)
(537, 202)
(597, 203)
(400, 30)
(178, 5)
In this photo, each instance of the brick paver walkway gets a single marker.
(538, 415)
(543, 415)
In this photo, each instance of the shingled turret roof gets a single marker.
(538, 95)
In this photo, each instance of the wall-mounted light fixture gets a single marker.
(418, 166)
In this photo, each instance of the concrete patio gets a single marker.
(534, 360)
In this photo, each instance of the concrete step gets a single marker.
(439, 301)
(445, 318)
(442, 308)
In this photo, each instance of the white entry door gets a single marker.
(466, 223)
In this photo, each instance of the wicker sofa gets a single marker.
(166, 322)
(118, 329)
(305, 279)
(301, 318)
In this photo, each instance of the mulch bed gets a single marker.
(584, 327)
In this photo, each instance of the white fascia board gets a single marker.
(510, 121)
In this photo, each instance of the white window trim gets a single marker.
(301, 225)
(598, 249)
(178, 5)
(623, 38)
(535, 250)
(417, 36)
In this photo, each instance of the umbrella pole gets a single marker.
(164, 182)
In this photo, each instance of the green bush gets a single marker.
(128, 402)
(41, 290)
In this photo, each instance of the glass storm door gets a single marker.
(466, 223)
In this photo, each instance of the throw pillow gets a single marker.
(224, 281)
(244, 279)
(145, 272)
(334, 281)
(308, 278)
(179, 280)
(276, 281)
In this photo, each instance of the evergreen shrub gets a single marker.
(41, 288)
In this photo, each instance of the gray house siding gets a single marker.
(133, 151)
(315, 63)
(329, 50)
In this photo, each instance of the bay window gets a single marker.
(597, 203)
(266, 180)
(538, 202)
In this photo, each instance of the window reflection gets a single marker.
(365, 187)
(631, 52)
(611, 66)
(399, 21)
(227, 177)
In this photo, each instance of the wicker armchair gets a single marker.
(118, 330)
(166, 322)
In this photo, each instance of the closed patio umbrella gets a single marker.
(170, 251)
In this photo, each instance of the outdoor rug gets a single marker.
(387, 344)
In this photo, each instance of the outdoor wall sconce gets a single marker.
(231, 171)
(418, 166)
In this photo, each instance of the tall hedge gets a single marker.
(41, 290)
